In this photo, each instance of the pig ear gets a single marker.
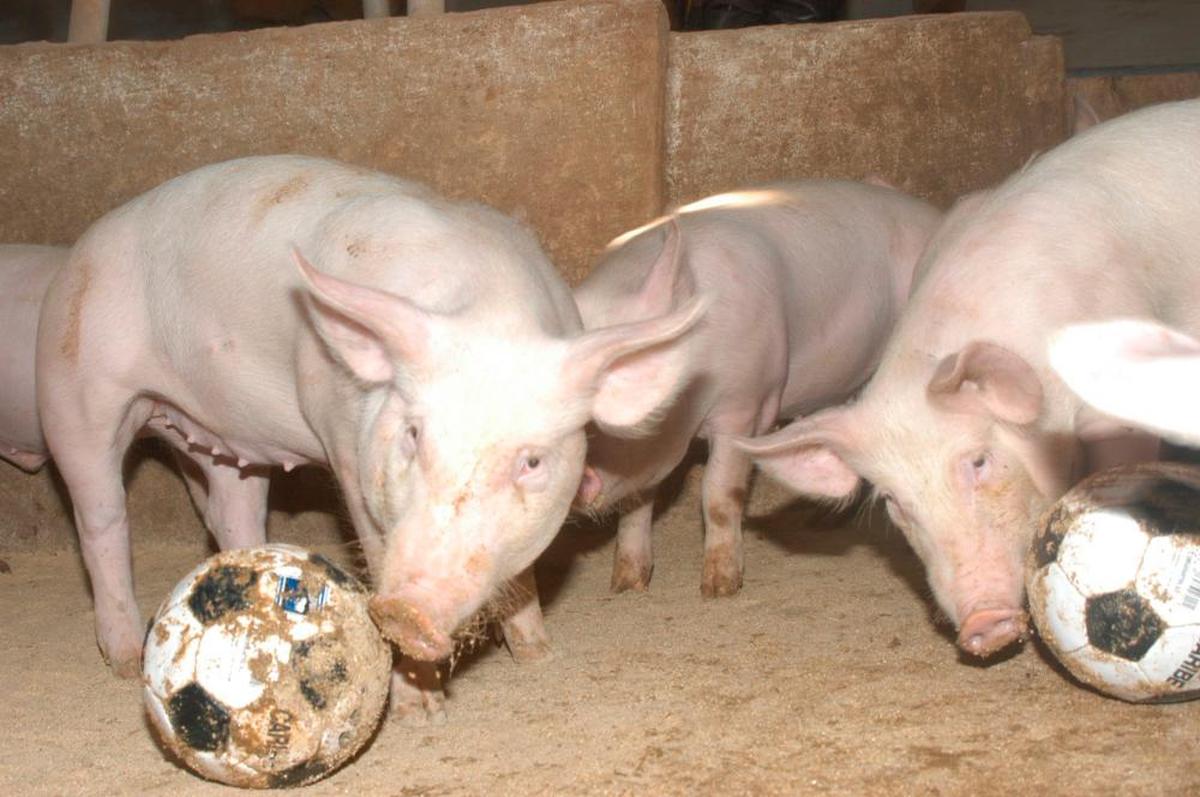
(632, 372)
(986, 379)
(807, 455)
(366, 329)
(1134, 370)
(669, 281)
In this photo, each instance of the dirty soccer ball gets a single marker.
(262, 667)
(1114, 582)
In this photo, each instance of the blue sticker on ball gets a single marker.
(294, 598)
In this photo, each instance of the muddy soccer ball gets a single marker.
(1114, 582)
(262, 667)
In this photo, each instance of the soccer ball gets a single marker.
(262, 668)
(1114, 582)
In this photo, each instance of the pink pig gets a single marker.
(25, 271)
(807, 280)
(965, 430)
(432, 357)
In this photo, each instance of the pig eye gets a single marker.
(413, 432)
(531, 471)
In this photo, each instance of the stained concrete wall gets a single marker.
(940, 104)
(552, 113)
(1113, 95)
(558, 113)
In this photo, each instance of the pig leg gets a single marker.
(633, 560)
(232, 504)
(89, 455)
(524, 629)
(724, 496)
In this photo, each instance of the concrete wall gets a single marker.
(940, 105)
(1113, 95)
(564, 114)
(550, 112)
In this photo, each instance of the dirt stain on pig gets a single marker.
(478, 564)
(356, 247)
(289, 190)
(69, 347)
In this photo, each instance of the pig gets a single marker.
(1135, 370)
(281, 310)
(25, 272)
(965, 431)
(808, 278)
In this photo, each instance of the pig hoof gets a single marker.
(419, 715)
(127, 667)
(417, 698)
(720, 580)
(531, 652)
(630, 576)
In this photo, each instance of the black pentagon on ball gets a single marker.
(222, 590)
(1167, 506)
(299, 775)
(1050, 537)
(199, 720)
(1122, 623)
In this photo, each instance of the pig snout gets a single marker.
(590, 487)
(986, 631)
(414, 631)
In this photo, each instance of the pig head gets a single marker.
(471, 443)
(954, 447)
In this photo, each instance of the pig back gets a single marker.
(829, 264)
(200, 276)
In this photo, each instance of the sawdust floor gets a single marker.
(826, 674)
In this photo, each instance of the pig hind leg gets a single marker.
(232, 504)
(724, 496)
(633, 560)
(88, 439)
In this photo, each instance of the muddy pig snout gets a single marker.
(988, 630)
(413, 631)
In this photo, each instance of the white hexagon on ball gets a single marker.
(1065, 608)
(1103, 551)
(1173, 663)
(1170, 578)
(1108, 673)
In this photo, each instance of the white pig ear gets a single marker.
(669, 282)
(368, 330)
(1134, 370)
(806, 455)
(632, 372)
(987, 379)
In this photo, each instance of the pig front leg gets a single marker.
(633, 560)
(524, 628)
(232, 504)
(724, 497)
